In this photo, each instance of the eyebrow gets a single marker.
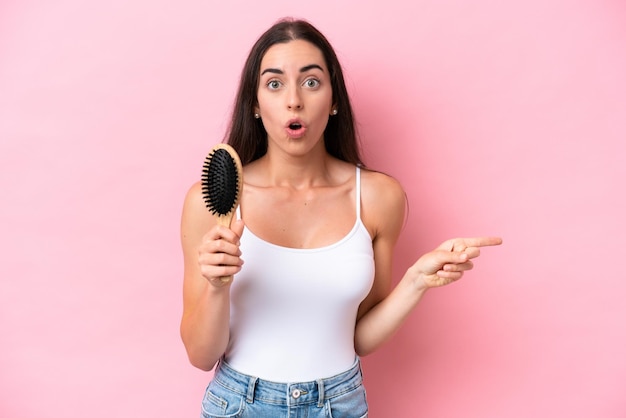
(302, 70)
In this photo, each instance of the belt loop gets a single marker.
(251, 387)
(320, 392)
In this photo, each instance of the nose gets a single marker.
(294, 101)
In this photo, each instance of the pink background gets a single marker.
(503, 118)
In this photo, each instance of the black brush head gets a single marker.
(220, 182)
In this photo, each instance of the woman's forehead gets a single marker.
(297, 53)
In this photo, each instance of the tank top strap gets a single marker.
(358, 192)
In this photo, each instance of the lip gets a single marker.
(295, 133)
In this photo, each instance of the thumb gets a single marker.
(237, 227)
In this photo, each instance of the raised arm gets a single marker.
(210, 252)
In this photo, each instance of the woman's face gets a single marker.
(294, 96)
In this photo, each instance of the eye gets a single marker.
(311, 83)
(273, 84)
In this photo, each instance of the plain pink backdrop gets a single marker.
(503, 118)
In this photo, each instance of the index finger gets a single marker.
(482, 241)
(221, 232)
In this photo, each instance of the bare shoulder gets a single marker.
(193, 199)
(381, 190)
(196, 219)
(383, 202)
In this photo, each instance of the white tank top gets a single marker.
(293, 311)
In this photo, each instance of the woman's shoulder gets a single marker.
(194, 194)
(378, 185)
(383, 201)
(194, 208)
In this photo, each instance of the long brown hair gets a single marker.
(247, 135)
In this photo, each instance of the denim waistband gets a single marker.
(316, 391)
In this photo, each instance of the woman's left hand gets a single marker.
(448, 262)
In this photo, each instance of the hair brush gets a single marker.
(222, 183)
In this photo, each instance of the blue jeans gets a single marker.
(233, 394)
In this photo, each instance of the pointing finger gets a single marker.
(482, 241)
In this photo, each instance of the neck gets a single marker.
(297, 172)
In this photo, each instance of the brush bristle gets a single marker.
(220, 182)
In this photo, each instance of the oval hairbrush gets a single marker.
(222, 183)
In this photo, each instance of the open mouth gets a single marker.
(295, 128)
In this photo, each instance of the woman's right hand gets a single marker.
(219, 256)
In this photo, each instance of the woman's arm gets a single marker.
(383, 204)
(385, 310)
(210, 252)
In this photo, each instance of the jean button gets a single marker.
(296, 393)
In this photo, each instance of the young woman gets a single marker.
(317, 231)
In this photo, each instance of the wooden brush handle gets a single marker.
(225, 220)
